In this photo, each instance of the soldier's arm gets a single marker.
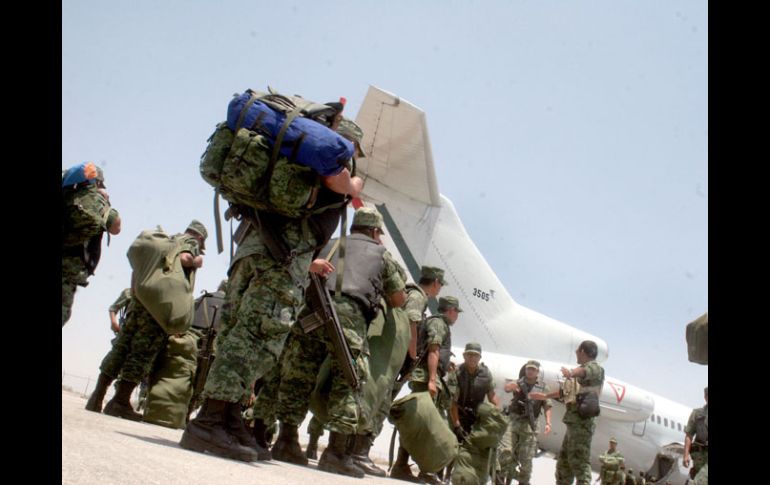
(190, 261)
(493, 398)
(547, 420)
(344, 184)
(511, 386)
(113, 222)
(392, 282)
(432, 368)
(114, 322)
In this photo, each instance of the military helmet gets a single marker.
(368, 217)
(197, 227)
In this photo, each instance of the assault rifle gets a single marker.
(204, 361)
(325, 315)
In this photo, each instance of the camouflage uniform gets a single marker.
(121, 304)
(518, 445)
(437, 328)
(698, 452)
(74, 271)
(610, 472)
(263, 298)
(306, 352)
(142, 338)
(574, 461)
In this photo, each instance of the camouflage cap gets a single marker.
(613, 440)
(100, 177)
(197, 226)
(449, 301)
(472, 348)
(532, 363)
(350, 130)
(368, 217)
(432, 273)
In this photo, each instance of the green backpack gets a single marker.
(159, 282)
(84, 215)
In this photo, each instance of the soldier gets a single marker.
(87, 215)
(118, 311)
(435, 343)
(468, 386)
(696, 442)
(519, 443)
(141, 339)
(369, 272)
(611, 461)
(630, 478)
(641, 480)
(430, 284)
(574, 461)
(267, 279)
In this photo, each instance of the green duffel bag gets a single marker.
(473, 466)
(488, 428)
(159, 282)
(171, 383)
(424, 433)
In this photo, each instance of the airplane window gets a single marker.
(652, 418)
(658, 418)
(665, 422)
(679, 425)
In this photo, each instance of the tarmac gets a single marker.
(101, 449)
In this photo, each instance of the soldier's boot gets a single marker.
(286, 447)
(360, 454)
(429, 478)
(95, 401)
(260, 433)
(208, 433)
(120, 404)
(238, 429)
(312, 447)
(401, 469)
(336, 459)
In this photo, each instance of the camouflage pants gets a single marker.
(700, 465)
(516, 450)
(266, 403)
(138, 345)
(260, 305)
(574, 461)
(381, 414)
(315, 426)
(73, 274)
(304, 355)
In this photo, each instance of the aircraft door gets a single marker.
(639, 428)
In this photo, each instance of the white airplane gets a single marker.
(423, 228)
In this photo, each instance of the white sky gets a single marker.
(572, 138)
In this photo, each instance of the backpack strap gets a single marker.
(218, 225)
(341, 259)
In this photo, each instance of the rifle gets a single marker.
(204, 361)
(526, 403)
(324, 314)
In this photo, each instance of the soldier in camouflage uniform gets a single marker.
(385, 352)
(574, 461)
(519, 443)
(370, 272)
(115, 309)
(434, 350)
(267, 280)
(81, 238)
(696, 442)
(141, 339)
(611, 460)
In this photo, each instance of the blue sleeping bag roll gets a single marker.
(320, 148)
(83, 172)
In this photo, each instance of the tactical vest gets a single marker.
(702, 428)
(362, 278)
(517, 404)
(445, 350)
(473, 388)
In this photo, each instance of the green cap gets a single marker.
(613, 440)
(350, 130)
(449, 301)
(368, 217)
(472, 348)
(532, 363)
(197, 227)
(432, 273)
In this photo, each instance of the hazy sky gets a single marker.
(572, 138)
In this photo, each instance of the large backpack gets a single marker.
(159, 282)
(84, 211)
(263, 155)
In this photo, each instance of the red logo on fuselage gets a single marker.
(619, 389)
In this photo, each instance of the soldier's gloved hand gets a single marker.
(460, 433)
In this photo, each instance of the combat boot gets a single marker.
(238, 430)
(401, 469)
(286, 447)
(208, 433)
(312, 447)
(120, 404)
(429, 478)
(95, 401)
(362, 444)
(335, 458)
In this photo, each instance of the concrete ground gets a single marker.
(100, 449)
